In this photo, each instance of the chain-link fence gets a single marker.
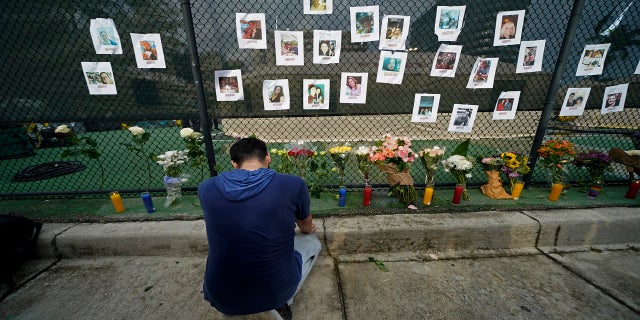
(44, 86)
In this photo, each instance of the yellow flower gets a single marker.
(274, 151)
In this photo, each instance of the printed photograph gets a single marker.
(104, 36)
(508, 29)
(446, 60)
(251, 29)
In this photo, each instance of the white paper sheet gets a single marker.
(148, 50)
(326, 46)
(315, 94)
(483, 73)
(614, 98)
(275, 94)
(391, 67)
(251, 31)
(508, 28)
(425, 107)
(574, 101)
(104, 36)
(449, 21)
(592, 59)
(353, 87)
(99, 77)
(530, 56)
(394, 32)
(462, 117)
(364, 24)
(289, 48)
(446, 61)
(506, 105)
(229, 85)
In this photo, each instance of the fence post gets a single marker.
(554, 86)
(197, 81)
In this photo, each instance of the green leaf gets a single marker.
(379, 264)
(93, 154)
(148, 288)
(91, 142)
(462, 148)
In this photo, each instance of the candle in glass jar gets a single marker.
(366, 200)
(556, 190)
(148, 202)
(457, 194)
(428, 195)
(116, 200)
(342, 197)
(632, 192)
(517, 190)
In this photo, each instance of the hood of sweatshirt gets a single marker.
(240, 184)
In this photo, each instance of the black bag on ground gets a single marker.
(18, 237)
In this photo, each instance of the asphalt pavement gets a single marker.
(548, 264)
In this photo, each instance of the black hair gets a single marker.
(248, 149)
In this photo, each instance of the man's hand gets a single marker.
(306, 225)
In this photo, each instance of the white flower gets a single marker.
(186, 132)
(63, 128)
(136, 131)
(362, 150)
(468, 175)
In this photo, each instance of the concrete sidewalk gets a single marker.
(554, 264)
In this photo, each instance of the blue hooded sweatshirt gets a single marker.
(250, 219)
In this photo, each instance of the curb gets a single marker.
(354, 237)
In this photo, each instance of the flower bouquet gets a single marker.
(555, 154)
(394, 156)
(172, 162)
(139, 137)
(194, 142)
(596, 164)
(515, 166)
(493, 188)
(282, 163)
(459, 166)
(363, 161)
(430, 158)
(340, 155)
(300, 155)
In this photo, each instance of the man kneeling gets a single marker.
(256, 262)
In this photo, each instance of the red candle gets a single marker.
(366, 200)
(632, 192)
(457, 194)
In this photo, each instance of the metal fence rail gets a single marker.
(43, 85)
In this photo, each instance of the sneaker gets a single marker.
(285, 312)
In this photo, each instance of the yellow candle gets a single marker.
(116, 200)
(556, 190)
(517, 190)
(428, 195)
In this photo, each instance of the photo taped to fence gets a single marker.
(462, 117)
(446, 61)
(483, 73)
(99, 78)
(425, 107)
(105, 37)
(391, 67)
(449, 21)
(317, 6)
(289, 48)
(326, 46)
(251, 30)
(228, 84)
(148, 49)
(614, 98)
(275, 94)
(509, 26)
(395, 30)
(575, 101)
(506, 105)
(316, 94)
(592, 59)
(364, 24)
(530, 56)
(353, 87)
